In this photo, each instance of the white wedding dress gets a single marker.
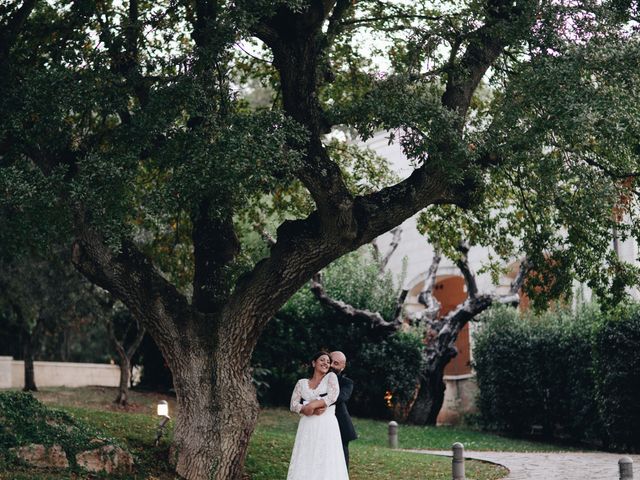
(317, 452)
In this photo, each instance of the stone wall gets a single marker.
(59, 374)
(459, 398)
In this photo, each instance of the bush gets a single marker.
(24, 421)
(393, 366)
(538, 370)
(577, 375)
(510, 397)
(617, 372)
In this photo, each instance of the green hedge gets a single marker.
(617, 373)
(575, 374)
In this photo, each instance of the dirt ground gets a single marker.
(101, 398)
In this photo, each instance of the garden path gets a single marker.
(552, 466)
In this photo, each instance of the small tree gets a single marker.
(42, 295)
(125, 335)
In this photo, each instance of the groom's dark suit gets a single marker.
(347, 432)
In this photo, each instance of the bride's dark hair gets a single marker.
(318, 355)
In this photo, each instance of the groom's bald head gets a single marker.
(338, 361)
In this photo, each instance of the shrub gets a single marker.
(510, 396)
(393, 366)
(617, 373)
(537, 370)
(24, 420)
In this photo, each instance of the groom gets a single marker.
(347, 432)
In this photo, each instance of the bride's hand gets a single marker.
(319, 410)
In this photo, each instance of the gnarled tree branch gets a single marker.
(463, 265)
(131, 277)
(426, 297)
(374, 318)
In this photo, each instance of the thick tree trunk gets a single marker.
(217, 413)
(430, 398)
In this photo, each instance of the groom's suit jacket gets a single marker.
(347, 432)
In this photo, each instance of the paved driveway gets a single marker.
(553, 466)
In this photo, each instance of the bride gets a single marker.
(317, 452)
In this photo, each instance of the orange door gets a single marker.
(450, 292)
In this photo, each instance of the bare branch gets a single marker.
(398, 316)
(465, 269)
(376, 250)
(525, 268)
(395, 241)
(430, 280)
(345, 309)
(426, 297)
(137, 341)
(442, 348)
(513, 297)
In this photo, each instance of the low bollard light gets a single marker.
(457, 464)
(393, 434)
(163, 413)
(626, 468)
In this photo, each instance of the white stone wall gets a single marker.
(6, 374)
(59, 374)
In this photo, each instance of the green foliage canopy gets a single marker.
(134, 117)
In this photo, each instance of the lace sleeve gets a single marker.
(333, 389)
(296, 397)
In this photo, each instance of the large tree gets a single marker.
(126, 131)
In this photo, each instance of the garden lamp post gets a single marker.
(163, 413)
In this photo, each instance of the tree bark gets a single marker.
(125, 376)
(430, 397)
(218, 410)
(29, 342)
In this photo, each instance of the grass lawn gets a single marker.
(272, 441)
